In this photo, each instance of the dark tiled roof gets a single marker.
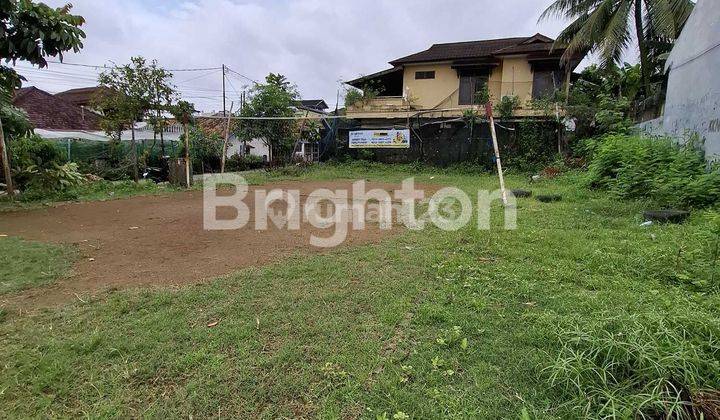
(357, 82)
(82, 96)
(50, 112)
(479, 49)
(314, 104)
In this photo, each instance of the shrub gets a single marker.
(507, 106)
(533, 148)
(640, 167)
(640, 367)
(30, 156)
(33, 150)
(369, 91)
(45, 183)
(205, 150)
(353, 96)
(236, 163)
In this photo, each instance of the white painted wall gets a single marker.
(259, 148)
(693, 95)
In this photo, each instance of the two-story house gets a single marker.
(444, 80)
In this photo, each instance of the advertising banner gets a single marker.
(381, 139)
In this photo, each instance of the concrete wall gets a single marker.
(693, 95)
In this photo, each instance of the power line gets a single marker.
(116, 66)
(233, 88)
(200, 77)
(243, 76)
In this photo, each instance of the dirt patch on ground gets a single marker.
(156, 241)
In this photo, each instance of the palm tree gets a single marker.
(606, 26)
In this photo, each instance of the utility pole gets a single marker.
(242, 106)
(223, 84)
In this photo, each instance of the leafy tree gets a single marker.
(205, 149)
(162, 94)
(606, 26)
(183, 111)
(599, 101)
(275, 98)
(132, 91)
(30, 31)
(278, 80)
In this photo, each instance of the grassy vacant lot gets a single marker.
(30, 264)
(428, 324)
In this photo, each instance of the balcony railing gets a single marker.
(451, 104)
(381, 104)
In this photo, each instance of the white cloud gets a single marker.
(314, 43)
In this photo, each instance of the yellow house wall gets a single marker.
(517, 79)
(430, 92)
(513, 77)
(495, 82)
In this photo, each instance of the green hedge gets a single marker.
(658, 169)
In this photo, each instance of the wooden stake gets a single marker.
(187, 155)
(6, 164)
(489, 113)
(227, 137)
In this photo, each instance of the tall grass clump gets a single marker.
(657, 169)
(647, 367)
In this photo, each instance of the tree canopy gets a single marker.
(606, 27)
(33, 31)
(274, 98)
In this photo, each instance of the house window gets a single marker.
(470, 85)
(545, 83)
(424, 75)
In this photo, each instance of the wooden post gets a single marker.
(6, 164)
(567, 85)
(187, 155)
(489, 113)
(133, 146)
(227, 137)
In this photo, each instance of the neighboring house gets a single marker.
(309, 151)
(217, 126)
(54, 117)
(84, 97)
(443, 81)
(692, 104)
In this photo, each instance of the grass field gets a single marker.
(427, 324)
(24, 265)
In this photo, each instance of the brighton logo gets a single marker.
(338, 211)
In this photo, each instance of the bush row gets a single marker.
(656, 169)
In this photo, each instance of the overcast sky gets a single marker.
(315, 43)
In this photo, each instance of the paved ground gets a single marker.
(158, 241)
